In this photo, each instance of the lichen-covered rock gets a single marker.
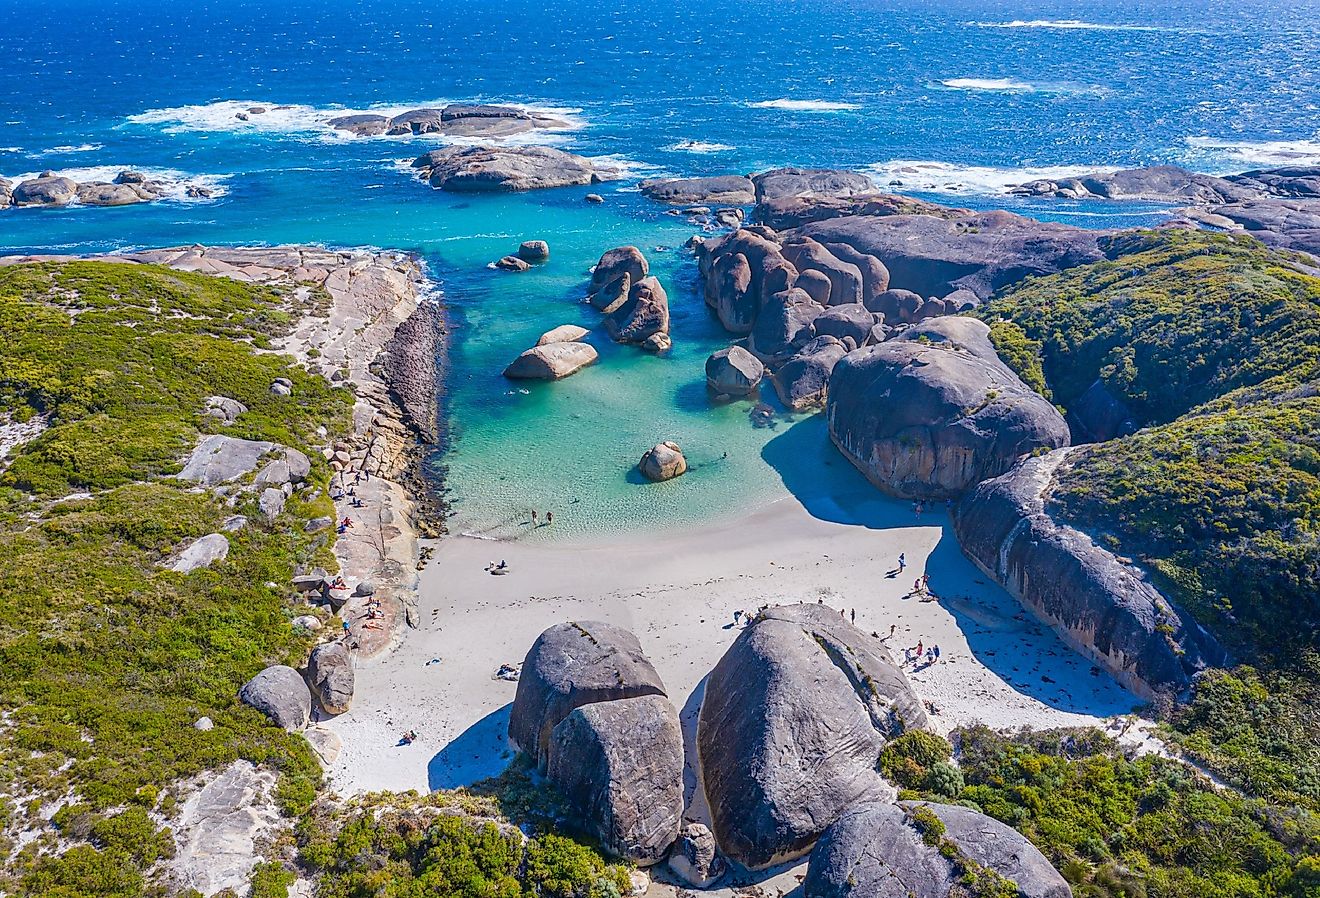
(570, 665)
(281, 694)
(877, 850)
(663, 461)
(694, 858)
(933, 412)
(223, 408)
(794, 718)
(330, 675)
(733, 371)
(219, 459)
(1103, 606)
(802, 381)
(551, 361)
(620, 766)
(645, 313)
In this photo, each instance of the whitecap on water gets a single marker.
(699, 146)
(1232, 154)
(1013, 85)
(805, 105)
(1067, 25)
(971, 180)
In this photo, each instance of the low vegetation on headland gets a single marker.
(110, 658)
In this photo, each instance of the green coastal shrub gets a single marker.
(908, 759)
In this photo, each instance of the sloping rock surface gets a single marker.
(725, 190)
(494, 169)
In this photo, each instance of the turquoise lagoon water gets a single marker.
(951, 99)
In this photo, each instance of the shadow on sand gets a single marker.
(480, 751)
(1003, 636)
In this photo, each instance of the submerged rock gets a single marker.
(570, 665)
(620, 765)
(281, 694)
(663, 461)
(933, 412)
(1102, 606)
(794, 718)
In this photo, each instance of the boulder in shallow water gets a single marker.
(476, 169)
(281, 694)
(620, 260)
(803, 380)
(620, 766)
(534, 251)
(551, 361)
(644, 314)
(663, 461)
(733, 371)
(931, 413)
(570, 665)
(792, 724)
(565, 333)
(47, 190)
(728, 190)
(330, 675)
(511, 263)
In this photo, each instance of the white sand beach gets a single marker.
(835, 540)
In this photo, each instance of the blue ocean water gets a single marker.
(944, 99)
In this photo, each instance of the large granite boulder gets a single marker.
(614, 263)
(663, 461)
(878, 850)
(1102, 605)
(853, 320)
(783, 326)
(1297, 181)
(475, 169)
(845, 278)
(1156, 183)
(722, 190)
(733, 371)
(936, 255)
(931, 413)
(1292, 224)
(642, 315)
(565, 333)
(570, 665)
(791, 727)
(742, 270)
(6, 192)
(281, 694)
(220, 459)
(330, 676)
(694, 858)
(48, 189)
(101, 193)
(202, 552)
(620, 766)
(813, 182)
(802, 381)
(454, 120)
(551, 361)
(787, 212)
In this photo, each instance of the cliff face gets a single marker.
(1100, 604)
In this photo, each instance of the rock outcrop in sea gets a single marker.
(592, 713)
(932, 412)
(455, 120)
(492, 169)
(1103, 606)
(128, 188)
(791, 727)
(879, 850)
(722, 190)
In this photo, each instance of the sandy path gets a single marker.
(678, 591)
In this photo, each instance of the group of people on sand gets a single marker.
(501, 568)
(921, 655)
(408, 738)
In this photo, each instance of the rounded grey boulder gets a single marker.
(877, 850)
(620, 260)
(534, 251)
(644, 314)
(663, 461)
(479, 169)
(694, 858)
(281, 694)
(933, 412)
(733, 371)
(551, 361)
(789, 736)
(620, 766)
(330, 675)
(802, 381)
(570, 665)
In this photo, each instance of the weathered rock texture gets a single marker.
(570, 665)
(281, 694)
(409, 362)
(454, 120)
(877, 851)
(727, 190)
(620, 765)
(128, 188)
(694, 858)
(330, 676)
(663, 461)
(202, 552)
(1100, 604)
(220, 826)
(643, 315)
(492, 169)
(551, 361)
(733, 371)
(794, 718)
(934, 412)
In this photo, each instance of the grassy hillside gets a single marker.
(1213, 342)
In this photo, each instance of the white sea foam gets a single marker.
(699, 146)
(969, 180)
(283, 119)
(1013, 85)
(1066, 25)
(805, 105)
(175, 182)
(64, 150)
(1232, 154)
(629, 168)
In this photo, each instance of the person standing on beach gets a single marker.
(936, 650)
(921, 645)
(549, 518)
(902, 561)
(534, 518)
(854, 615)
(892, 628)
